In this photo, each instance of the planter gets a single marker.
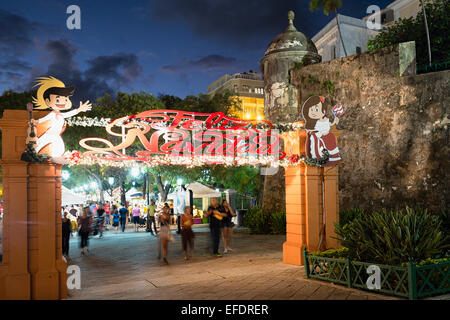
(197, 220)
(410, 281)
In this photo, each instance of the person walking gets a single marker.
(73, 211)
(116, 217)
(187, 235)
(215, 213)
(136, 216)
(165, 236)
(100, 219)
(151, 218)
(66, 232)
(85, 223)
(227, 226)
(123, 212)
(108, 214)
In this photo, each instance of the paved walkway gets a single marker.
(125, 266)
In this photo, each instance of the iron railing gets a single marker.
(409, 281)
(438, 66)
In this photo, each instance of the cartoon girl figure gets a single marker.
(318, 127)
(53, 94)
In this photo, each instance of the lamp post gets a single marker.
(65, 175)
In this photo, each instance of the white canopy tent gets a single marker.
(198, 191)
(69, 198)
(133, 193)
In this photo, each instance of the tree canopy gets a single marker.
(413, 29)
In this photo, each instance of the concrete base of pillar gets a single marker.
(293, 254)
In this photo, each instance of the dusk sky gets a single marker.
(163, 46)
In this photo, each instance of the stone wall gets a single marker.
(395, 140)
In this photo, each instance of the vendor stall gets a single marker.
(69, 198)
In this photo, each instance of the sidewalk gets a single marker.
(125, 266)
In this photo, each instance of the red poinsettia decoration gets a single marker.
(294, 158)
(75, 156)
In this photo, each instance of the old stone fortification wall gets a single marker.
(395, 140)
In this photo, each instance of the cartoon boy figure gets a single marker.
(53, 94)
(318, 126)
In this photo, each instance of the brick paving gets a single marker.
(125, 266)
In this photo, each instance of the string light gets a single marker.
(76, 158)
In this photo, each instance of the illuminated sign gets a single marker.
(212, 136)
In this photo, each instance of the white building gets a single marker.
(354, 33)
(399, 9)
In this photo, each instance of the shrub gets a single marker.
(349, 215)
(278, 223)
(392, 237)
(445, 218)
(259, 221)
(333, 253)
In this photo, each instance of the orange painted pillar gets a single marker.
(46, 265)
(331, 207)
(305, 203)
(14, 274)
(32, 266)
(295, 215)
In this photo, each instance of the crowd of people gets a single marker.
(94, 218)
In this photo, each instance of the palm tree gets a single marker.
(329, 5)
(428, 32)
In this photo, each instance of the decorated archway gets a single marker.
(33, 266)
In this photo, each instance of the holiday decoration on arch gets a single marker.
(321, 147)
(44, 140)
(184, 138)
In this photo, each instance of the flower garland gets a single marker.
(103, 122)
(87, 122)
(77, 158)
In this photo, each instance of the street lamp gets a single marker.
(111, 181)
(65, 175)
(135, 172)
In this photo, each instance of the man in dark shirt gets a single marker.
(100, 219)
(215, 213)
(123, 212)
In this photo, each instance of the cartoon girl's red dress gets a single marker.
(321, 139)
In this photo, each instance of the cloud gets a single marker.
(239, 23)
(16, 38)
(16, 65)
(119, 68)
(104, 74)
(210, 62)
(16, 33)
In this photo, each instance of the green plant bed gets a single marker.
(259, 221)
(427, 278)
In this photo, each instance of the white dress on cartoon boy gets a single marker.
(52, 136)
